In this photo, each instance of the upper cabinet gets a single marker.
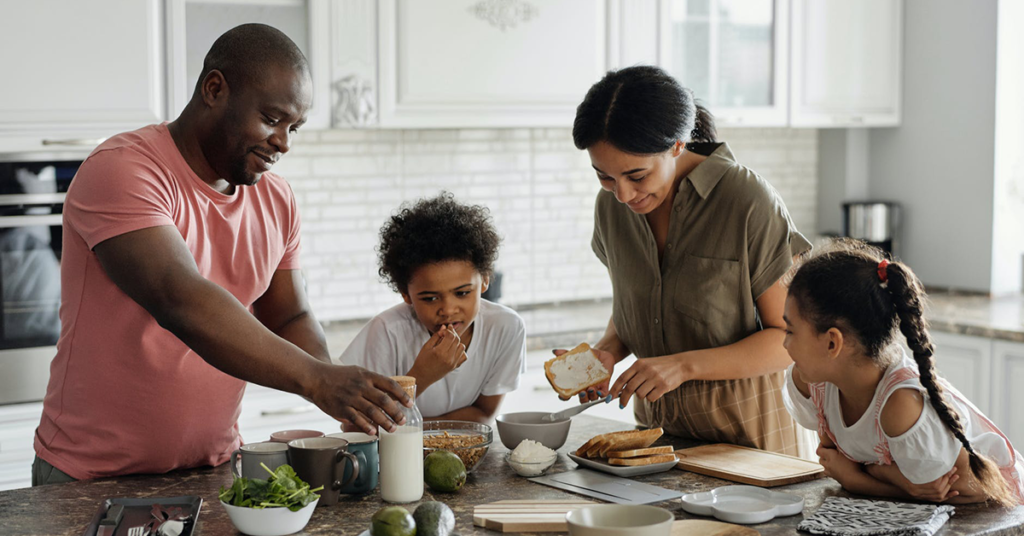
(195, 24)
(122, 64)
(479, 63)
(846, 63)
(78, 71)
(733, 54)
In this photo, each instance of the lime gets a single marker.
(444, 471)
(392, 521)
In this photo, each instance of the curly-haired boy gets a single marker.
(465, 352)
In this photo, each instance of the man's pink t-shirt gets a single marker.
(125, 395)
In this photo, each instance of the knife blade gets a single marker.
(108, 525)
(566, 413)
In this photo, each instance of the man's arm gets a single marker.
(154, 267)
(284, 310)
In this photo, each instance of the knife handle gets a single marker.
(113, 516)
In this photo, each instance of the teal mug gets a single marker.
(364, 446)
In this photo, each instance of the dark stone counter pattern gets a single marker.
(66, 509)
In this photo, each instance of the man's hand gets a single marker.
(601, 390)
(443, 353)
(355, 395)
(649, 379)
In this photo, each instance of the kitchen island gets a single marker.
(67, 509)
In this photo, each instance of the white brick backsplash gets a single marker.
(539, 189)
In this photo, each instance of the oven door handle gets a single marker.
(46, 220)
(32, 199)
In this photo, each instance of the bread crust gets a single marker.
(636, 453)
(601, 445)
(643, 460)
(568, 392)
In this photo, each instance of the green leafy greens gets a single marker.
(284, 489)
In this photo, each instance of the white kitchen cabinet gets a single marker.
(966, 362)
(195, 24)
(78, 71)
(1007, 391)
(18, 424)
(466, 63)
(846, 63)
(733, 54)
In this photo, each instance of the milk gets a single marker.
(401, 464)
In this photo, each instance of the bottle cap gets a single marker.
(408, 384)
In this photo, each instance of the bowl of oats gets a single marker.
(467, 440)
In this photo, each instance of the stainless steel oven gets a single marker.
(31, 200)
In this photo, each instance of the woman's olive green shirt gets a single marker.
(730, 238)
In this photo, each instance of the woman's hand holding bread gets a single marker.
(583, 370)
(443, 353)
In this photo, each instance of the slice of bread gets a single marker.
(600, 445)
(575, 371)
(634, 439)
(643, 460)
(636, 453)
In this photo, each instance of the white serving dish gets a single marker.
(623, 470)
(620, 520)
(269, 521)
(743, 504)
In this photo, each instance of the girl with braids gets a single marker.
(889, 425)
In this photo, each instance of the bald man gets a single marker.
(180, 282)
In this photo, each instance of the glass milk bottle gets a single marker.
(401, 453)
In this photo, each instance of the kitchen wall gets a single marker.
(537, 185)
(939, 162)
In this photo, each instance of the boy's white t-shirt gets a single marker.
(495, 359)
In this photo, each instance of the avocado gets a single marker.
(392, 521)
(434, 519)
(444, 471)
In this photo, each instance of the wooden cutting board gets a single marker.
(747, 465)
(699, 527)
(525, 516)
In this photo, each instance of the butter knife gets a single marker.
(108, 525)
(566, 413)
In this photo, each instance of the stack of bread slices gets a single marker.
(629, 447)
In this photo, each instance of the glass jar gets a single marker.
(401, 453)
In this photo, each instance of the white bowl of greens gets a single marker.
(282, 504)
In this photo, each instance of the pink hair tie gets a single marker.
(883, 276)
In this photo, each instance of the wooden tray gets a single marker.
(747, 465)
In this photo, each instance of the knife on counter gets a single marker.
(108, 525)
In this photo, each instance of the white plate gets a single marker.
(743, 504)
(623, 470)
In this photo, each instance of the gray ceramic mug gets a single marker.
(271, 454)
(364, 446)
(321, 461)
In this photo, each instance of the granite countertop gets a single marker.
(999, 317)
(67, 509)
(567, 324)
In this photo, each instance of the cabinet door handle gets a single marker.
(76, 142)
(289, 411)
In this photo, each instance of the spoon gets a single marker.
(566, 413)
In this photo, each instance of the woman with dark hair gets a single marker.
(890, 426)
(695, 245)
